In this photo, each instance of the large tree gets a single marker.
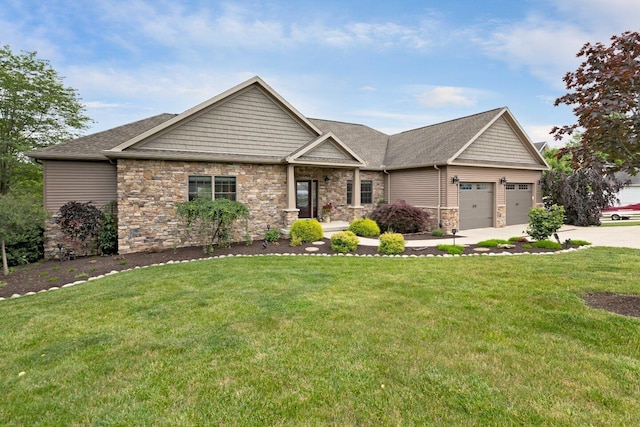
(605, 95)
(583, 192)
(36, 110)
(21, 221)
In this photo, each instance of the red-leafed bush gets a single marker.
(400, 217)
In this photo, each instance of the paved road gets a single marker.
(628, 237)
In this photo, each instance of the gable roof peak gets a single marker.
(495, 112)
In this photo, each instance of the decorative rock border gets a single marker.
(111, 273)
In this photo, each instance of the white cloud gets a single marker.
(447, 96)
(544, 47)
(546, 43)
(96, 105)
(368, 89)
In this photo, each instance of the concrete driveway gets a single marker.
(628, 237)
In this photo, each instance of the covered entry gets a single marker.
(519, 198)
(476, 205)
(307, 198)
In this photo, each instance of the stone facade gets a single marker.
(450, 219)
(336, 193)
(148, 191)
(501, 216)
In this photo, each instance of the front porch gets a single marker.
(327, 227)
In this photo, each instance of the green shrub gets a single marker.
(546, 244)
(272, 235)
(492, 243)
(295, 241)
(364, 227)
(108, 236)
(211, 220)
(544, 222)
(578, 242)
(518, 239)
(307, 230)
(451, 249)
(391, 243)
(437, 233)
(344, 241)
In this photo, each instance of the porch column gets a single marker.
(291, 187)
(290, 213)
(355, 210)
(355, 193)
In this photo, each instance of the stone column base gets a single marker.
(289, 217)
(501, 216)
(449, 219)
(355, 212)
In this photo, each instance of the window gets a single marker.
(366, 192)
(511, 186)
(199, 186)
(224, 187)
(466, 187)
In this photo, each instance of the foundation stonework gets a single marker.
(501, 216)
(148, 191)
(449, 219)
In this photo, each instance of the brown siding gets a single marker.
(499, 143)
(326, 151)
(249, 123)
(417, 187)
(66, 181)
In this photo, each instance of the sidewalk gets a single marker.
(628, 237)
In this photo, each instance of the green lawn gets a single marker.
(625, 223)
(329, 340)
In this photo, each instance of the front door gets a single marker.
(307, 198)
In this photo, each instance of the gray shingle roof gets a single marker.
(435, 144)
(366, 142)
(429, 145)
(90, 147)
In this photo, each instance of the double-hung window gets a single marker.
(366, 192)
(219, 187)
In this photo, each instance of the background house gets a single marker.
(250, 145)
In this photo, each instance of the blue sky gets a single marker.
(393, 66)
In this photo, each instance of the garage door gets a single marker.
(476, 205)
(518, 200)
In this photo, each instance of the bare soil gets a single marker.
(53, 273)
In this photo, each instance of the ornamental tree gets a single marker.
(36, 110)
(605, 95)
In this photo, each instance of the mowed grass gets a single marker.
(329, 341)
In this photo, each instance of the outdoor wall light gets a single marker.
(326, 179)
(454, 231)
(503, 180)
(455, 179)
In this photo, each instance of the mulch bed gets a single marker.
(52, 273)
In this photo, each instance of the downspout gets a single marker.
(439, 193)
(388, 184)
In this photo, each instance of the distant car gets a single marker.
(622, 212)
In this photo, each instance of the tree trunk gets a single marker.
(5, 265)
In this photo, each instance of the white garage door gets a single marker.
(476, 205)
(519, 201)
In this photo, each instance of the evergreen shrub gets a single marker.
(344, 242)
(364, 227)
(391, 243)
